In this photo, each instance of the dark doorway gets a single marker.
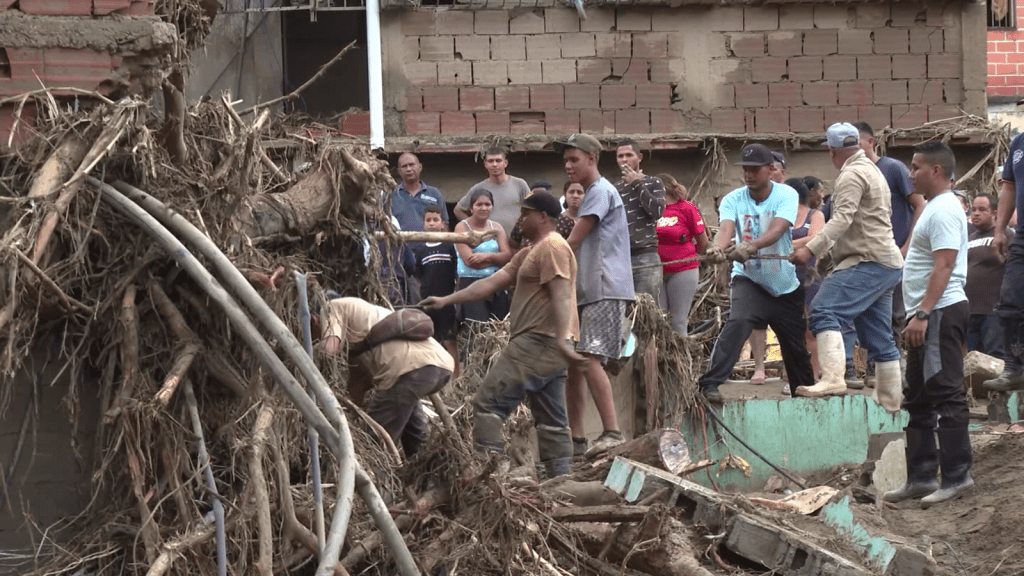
(309, 45)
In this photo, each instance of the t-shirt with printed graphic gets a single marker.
(984, 272)
(436, 266)
(678, 229)
(752, 220)
(1013, 170)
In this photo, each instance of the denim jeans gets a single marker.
(860, 295)
(647, 272)
(985, 334)
(899, 322)
(1011, 300)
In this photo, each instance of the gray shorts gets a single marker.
(603, 328)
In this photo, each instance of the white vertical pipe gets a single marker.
(373, 58)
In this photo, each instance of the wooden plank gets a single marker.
(616, 513)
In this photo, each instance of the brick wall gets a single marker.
(1006, 60)
(634, 70)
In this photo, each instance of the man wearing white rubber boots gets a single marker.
(868, 265)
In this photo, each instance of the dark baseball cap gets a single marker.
(756, 155)
(584, 142)
(543, 202)
(779, 157)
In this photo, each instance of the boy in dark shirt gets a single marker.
(436, 269)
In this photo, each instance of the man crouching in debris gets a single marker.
(393, 375)
(542, 319)
(933, 286)
(765, 289)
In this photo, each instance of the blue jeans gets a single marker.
(647, 273)
(862, 296)
(985, 334)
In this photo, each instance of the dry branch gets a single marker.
(264, 563)
(472, 238)
(617, 513)
(295, 93)
(181, 331)
(68, 301)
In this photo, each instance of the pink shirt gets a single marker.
(678, 228)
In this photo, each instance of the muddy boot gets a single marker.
(711, 392)
(554, 468)
(579, 448)
(869, 376)
(606, 441)
(922, 466)
(555, 448)
(852, 379)
(955, 463)
(1011, 379)
(889, 386)
(488, 432)
(832, 358)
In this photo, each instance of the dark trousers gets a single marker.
(753, 306)
(935, 372)
(1011, 301)
(398, 409)
(985, 334)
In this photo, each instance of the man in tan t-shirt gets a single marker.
(542, 320)
(395, 374)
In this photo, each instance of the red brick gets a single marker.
(593, 70)
(422, 123)
(771, 120)
(855, 93)
(618, 96)
(525, 72)
(416, 22)
(561, 20)
(821, 93)
(728, 121)
(840, 68)
(458, 123)
(891, 41)
(874, 67)
(582, 96)
(877, 116)
(926, 40)
(768, 69)
(653, 96)
(24, 63)
(547, 97)
(821, 42)
(807, 120)
(943, 112)
(140, 8)
(562, 121)
(785, 43)
(613, 45)
(661, 72)
(440, 99)
(1002, 91)
(490, 22)
(633, 121)
(944, 65)
(751, 95)
(891, 92)
(633, 19)
(73, 62)
(632, 71)
(597, 121)
(512, 98)
(804, 69)
(746, 45)
(57, 7)
(998, 59)
(356, 124)
(1015, 57)
(904, 116)
(666, 121)
(650, 45)
(558, 71)
(104, 7)
(454, 22)
(476, 99)
(909, 66)
(840, 114)
(434, 48)
(455, 73)
(996, 81)
(761, 18)
(490, 73)
(543, 47)
(492, 122)
(784, 95)
(855, 41)
(508, 47)
(528, 126)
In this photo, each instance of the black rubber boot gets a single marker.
(712, 394)
(1012, 378)
(922, 466)
(955, 461)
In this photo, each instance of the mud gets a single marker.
(118, 34)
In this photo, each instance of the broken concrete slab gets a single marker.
(891, 468)
(117, 35)
(783, 551)
(882, 555)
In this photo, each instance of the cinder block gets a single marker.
(821, 93)
(871, 15)
(746, 45)
(666, 121)
(562, 121)
(490, 22)
(821, 42)
(561, 20)
(421, 73)
(508, 47)
(768, 69)
(578, 45)
(748, 116)
(909, 116)
(454, 21)
(440, 98)
(726, 19)
(952, 40)
(618, 96)
(874, 67)
(632, 19)
(944, 65)
(653, 96)
(527, 126)
(455, 73)
(768, 120)
(582, 96)
(661, 72)
(492, 122)
(840, 68)
(473, 99)
(529, 22)
(57, 7)
(422, 123)
(909, 66)
(598, 20)
(558, 71)
(597, 121)
(490, 73)
(613, 45)
(805, 69)
(892, 41)
(940, 16)
(929, 92)
(412, 22)
(856, 94)
(593, 70)
(943, 112)
(831, 16)
(633, 121)
(725, 96)
(435, 48)
(413, 99)
(840, 114)
(543, 47)
(458, 123)
(795, 17)
(356, 124)
(410, 48)
(650, 45)
(927, 41)
(631, 70)
(512, 98)
(527, 72)
(473, 47)
(671, 20)
(730, 71)
(760, 18)
(728, 121)
(907, 15)
(891, 92)
(547, 97)
(854, 41)
(785, 43)
(784, 95)
(751, 95)
(807, 119)
(877, 116)
(953, 91)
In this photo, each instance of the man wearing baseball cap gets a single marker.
(604, 288)
(868, 265)
(542, 322)
(765, 290)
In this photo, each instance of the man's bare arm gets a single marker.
(726, 233)
(476, 291)
(918, 202)
(561, 296)
(945, 260)
(775, 231)
(583, 227)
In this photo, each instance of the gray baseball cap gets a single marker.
(842, 135)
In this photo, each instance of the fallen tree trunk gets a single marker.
(473, 238)
(665, 449)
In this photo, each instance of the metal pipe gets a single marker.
(314, 438)
(376, 75)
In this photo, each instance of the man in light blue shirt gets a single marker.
(413, 195)
(765, 290)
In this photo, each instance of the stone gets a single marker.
(891, 469)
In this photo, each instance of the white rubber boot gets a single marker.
(832, 358)
(888, 385)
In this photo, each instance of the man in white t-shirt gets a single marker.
(934, 277)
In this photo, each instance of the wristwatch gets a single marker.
(921, 315)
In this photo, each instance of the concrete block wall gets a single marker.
(1006, 60)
